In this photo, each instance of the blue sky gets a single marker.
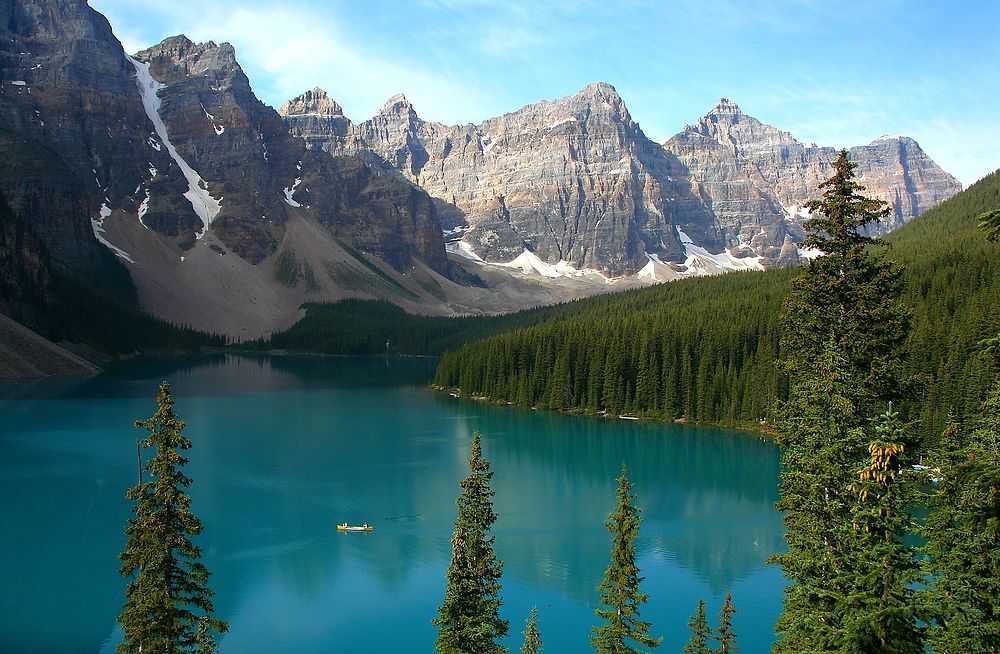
(835, 72)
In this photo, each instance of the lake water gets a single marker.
(287, 447)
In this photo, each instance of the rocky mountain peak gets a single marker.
(194, 58)
(601, 90)
(315, 102)
(725, 107)
(397, 104)
(597, 101)
(904, 141)
(727, 124)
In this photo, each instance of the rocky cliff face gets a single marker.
(166, 162)
(72, 133)
(576, 180)
(572, 180)
(892, 168)
(173, 138)
(255, 170)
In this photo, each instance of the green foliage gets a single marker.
(844, 502)
(706, 349)
(989, 222)
(725, 635)
(698, 624)
(468, 620)
(702, 349)
(620, 593)
(880, 567)
(532, 639)
(953, 285)
(167, 586)
(963, 537)
(846, 299)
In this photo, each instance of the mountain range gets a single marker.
(163, 169)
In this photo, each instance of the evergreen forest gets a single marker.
(706, 350)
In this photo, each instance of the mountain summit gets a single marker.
(575, 180)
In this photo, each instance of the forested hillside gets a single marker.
(706, 349)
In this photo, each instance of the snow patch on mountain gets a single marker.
(463, 249)
(702, 262)
(143, 208)
(290, 191)
(530, 264)
(794, 211)
(201, 200)
(97, 224)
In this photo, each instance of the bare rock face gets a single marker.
(321, 123)
(236, 144)
(776, 164)
(253, 165)
(174, 138)
(576, 180)
(573, 179)
(73, 136)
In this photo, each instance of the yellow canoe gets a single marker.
(347, 527)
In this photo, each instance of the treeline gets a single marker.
(82, 313)
(707, 349)
(369, 327)
(364, 327)
(709, 356)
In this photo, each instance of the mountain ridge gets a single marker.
(165, 169)
(722, 180)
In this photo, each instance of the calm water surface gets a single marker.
(287, 447)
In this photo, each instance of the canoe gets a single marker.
(347, 527)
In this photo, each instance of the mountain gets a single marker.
(161, 181)
(572, 180)
(760, 160)
(162, 177)
(576, 181)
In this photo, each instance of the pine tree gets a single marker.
(989, 222)
(843, 328)
(166, 582)
(725, 635)
(963, 537)
(532, 639)
(698, 624)
(620, 593)
(468, 620)
(849, 296)
(881, 569)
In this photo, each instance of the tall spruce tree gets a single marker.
(621, 596)
(469, 620)
(700, 632)
(725, 635)
(168, 605)
(532, 639)
(843, 326)
(880, 567)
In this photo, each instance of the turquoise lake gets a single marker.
(287, 447)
